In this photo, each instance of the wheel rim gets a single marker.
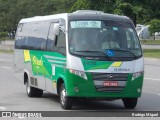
(63, 96)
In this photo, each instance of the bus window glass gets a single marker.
(61, 42)
(51, 38)
(88, 37)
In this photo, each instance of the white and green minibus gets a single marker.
(84, 54)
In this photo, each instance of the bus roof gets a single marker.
(76, 15)
(43, 18)
(86, 14)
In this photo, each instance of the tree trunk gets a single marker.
(135, 19)
(154, 34)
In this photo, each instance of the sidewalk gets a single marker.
(151, 46)
(8, 42)
(7, 45)
(152, 61)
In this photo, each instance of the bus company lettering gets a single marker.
(36, 61)
(122, 69)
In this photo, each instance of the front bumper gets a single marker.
(79, 87)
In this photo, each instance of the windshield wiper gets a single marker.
(100, 52)
(93, 52)
(119, 49)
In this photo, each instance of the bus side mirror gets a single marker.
(56, 29)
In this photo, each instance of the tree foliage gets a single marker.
(11, 11)
(154, 26)
(140, 11)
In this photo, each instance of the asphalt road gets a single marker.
(151, 46)
(13, 93)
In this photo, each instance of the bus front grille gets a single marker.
(100, 78)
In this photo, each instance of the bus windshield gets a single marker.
(109, 39)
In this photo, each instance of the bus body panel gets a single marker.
(88, 87)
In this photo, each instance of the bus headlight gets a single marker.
(79, 73)
(136, 75)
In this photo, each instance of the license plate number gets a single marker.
(110, 83)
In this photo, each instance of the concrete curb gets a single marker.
(6, 47)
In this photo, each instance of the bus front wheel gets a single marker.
(33, 92)
(66, 102)
(130, 102)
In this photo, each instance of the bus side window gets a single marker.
(130, 40)
(51, 38)
(61, 43)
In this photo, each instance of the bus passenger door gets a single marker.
(49, 55)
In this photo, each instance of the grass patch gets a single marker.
(150, 42)
(6, 51)
(7, 38)
(152, 53)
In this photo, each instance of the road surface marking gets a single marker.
(7, 67)
(5, 60)
(3, 108)
(152, 79)
(155, 93)
(155, 65)
(2, 60)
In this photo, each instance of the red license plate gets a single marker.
(110, 83)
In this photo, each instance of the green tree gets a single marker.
(102, 5)
(12, 11)
(154, 26)
(126, 9)
(80, 5)
(140, 11)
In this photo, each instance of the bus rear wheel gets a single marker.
(33, 92)
(130, 103)
(66, 102)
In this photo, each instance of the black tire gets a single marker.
(66, 102)
(130, 103)
(33, 92)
